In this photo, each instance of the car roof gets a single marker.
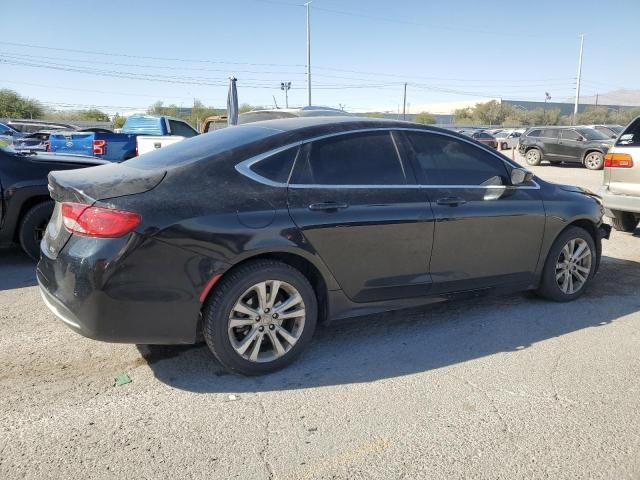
(312, 126)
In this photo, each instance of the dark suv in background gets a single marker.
(584, 145)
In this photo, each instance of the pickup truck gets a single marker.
(117, 147)
(25, 204)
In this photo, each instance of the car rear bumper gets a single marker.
(624, 203)
(113, 291)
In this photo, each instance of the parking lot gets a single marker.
(507, 387)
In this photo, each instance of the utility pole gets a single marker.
(404, 102)
(286, 86)
(308, 5)
(575, 106)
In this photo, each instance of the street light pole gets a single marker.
(575, 106)
(286, 86)
(308, 5)
(404, 103)
(547, 97)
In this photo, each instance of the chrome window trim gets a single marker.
(244, 167)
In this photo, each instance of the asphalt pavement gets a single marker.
(508, 387)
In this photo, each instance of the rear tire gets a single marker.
(533, 157)
(261, 341)
(594, 161)
(33, 226)
(624, 221)
(570, 266)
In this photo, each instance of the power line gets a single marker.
(169, 59)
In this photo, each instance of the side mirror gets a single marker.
(580, 139)
(520, 176)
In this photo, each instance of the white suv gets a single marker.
(621, 186)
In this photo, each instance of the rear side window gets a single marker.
(449, 161)
(277, 167)
(181, 129)
(353, 159)
(550, 133)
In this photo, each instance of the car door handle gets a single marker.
(451, 201)
(328, 206)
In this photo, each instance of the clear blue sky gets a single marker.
(442, 48)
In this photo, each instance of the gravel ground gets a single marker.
(508, 387)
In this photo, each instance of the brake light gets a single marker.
(97, 221)
(98, 146)
(618, 160)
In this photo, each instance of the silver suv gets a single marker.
(621, 185)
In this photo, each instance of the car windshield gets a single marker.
(592, 134)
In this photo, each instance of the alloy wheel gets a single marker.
(573, 266)
(532, 156)
(593, 161)
(266, 321)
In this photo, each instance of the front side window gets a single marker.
(450, 161)
(569, 135)
(181, 129)
(352, 159)
(534, 133)
(592, 134)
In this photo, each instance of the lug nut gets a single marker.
(261, 329)
(266, 310)
(257, 319)
(275, 315)
(271, 327)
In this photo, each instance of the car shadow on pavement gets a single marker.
(417, 340)
(17, 270)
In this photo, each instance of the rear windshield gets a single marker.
(251, 117)
(202, 146)
(631, 134)
(142, 125)
(592, 134)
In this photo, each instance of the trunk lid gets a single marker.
(88, 186)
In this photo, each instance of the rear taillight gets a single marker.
(618, 160)
(97, 221)
(98, 146)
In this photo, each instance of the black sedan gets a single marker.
(251, 235)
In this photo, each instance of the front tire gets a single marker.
(260, 317)
(594, 161)
(570, 266)
(32, 227)
(624, 221)
(533, 157)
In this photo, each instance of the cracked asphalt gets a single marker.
(507, 387)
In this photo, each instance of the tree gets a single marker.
(245, 107)
(118, 121)
(94, 115)
(425, 118)
(375, 115)
(464, 116)
(15, 106)
(593, 115)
